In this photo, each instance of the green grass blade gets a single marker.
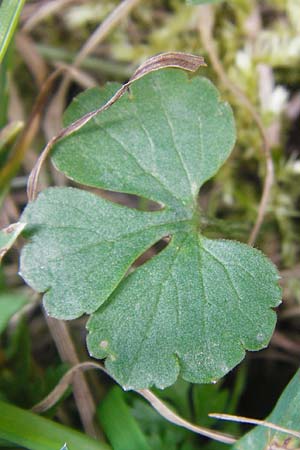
(8, 237)
(37, 433)
(10, 303)
(9, 15)
(118, 423)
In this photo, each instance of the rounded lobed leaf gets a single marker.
(197, 306)
(193, 310)
(162, 140)
(81, 246)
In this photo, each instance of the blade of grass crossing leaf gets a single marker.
(118, 423)
(37, 433)
(9, 15)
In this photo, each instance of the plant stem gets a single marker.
(82, 394)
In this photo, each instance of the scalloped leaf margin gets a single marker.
(194, 308)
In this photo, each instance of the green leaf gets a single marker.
(8, 237)
(194, 308)
(157, 136)
(86, 237)
(9, 12)
(37, 433)
(285, 414)
(161, 434)
(9, 305)
(119, 425)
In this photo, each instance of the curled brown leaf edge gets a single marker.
(185, 61)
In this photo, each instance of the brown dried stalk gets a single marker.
(81, 391)
(29, 132)
(154, 401)
(263, 423)
(205, 28)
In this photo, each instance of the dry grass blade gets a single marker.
(104, 29)
(33, 60)
(168, 414)
(101, 32)
(154, 401)
(82, 79)
(285, 343)
(180, 60)
(30, 130)
(63, 385)
(185, 61)
(43, 12)
(81, 391)
(206, 23)
(263, 423)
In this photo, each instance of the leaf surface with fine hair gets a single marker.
(194, 308)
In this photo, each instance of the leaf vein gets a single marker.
(239, 298)
(170, 125)
(154, 311)
(138, 163)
